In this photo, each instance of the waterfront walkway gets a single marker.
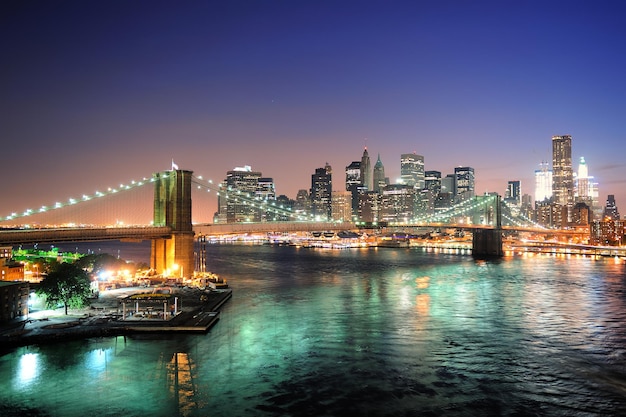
(199, 313)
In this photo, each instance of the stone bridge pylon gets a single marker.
(487, 243)
(173, 256)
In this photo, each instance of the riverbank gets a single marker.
(102, 319)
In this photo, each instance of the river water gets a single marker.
(373, 332)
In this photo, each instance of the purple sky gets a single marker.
(95, 93)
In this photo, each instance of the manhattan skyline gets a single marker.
(98, 93)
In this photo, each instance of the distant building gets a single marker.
(302, 205)
(236, 192)
(562, 172)
(432, 186)
(448, 186)
(398, 203)
(321, 193)
(550, 214)
(341, 206)
(543, 183)
(610, 209)
(369, 207)
(464, 183)
(412, 170)
(379, 180)
(284, 209)
(513, 196)
(607, 232)
(366, 171)
(354, 184)
(581, 214)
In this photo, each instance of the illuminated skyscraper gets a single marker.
(366, 171)
(464, 183)
(239, 187)
(582, 179)
(543, 183)
(354, 184)
(610, 210)
(412, 170)
(432, 185)
(321, 193)
(562, 172)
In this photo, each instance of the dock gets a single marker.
(200, 312)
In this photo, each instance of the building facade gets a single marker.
(412, 170)
(379, 179)
(543, 183)
(562, 172)
(464, 183)
(321, 193)
(366, 171)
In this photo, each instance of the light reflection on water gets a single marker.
(364, 332)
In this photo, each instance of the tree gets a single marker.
(67, 284)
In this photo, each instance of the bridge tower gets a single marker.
(487, 243)
(172, 207)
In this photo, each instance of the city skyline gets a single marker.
(97, 94)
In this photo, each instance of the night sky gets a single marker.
(97, 93)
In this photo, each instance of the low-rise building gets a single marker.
(13, 300)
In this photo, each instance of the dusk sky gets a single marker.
(96, 93)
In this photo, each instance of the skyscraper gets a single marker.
(354, 184)
(379, 176)
(366, 171)
(610, 210)
(321, 193)
(464, 183)
(412, 170)
(244, 181)
(513, 194)
(562, 172)
(432, 184)
(543, 182)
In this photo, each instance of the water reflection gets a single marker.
(381, 332)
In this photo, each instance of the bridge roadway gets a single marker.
(81, 234)
(138, 233)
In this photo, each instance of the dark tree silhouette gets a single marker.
(67, 284)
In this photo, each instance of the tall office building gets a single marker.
(412, 170)
(513, 197)
(543, 183)
(610, 210)
(366, 171)
(354, 184)
(398, 203)
(379, 176)
(302, 205)
(342, 206)
(432, 185)
(582, 180)
(245, 182)
(513, 194)
(321, 193)
(562, 172)
(464, 183)
(266, 194)
(353, 176)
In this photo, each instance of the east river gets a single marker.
(371, 332)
